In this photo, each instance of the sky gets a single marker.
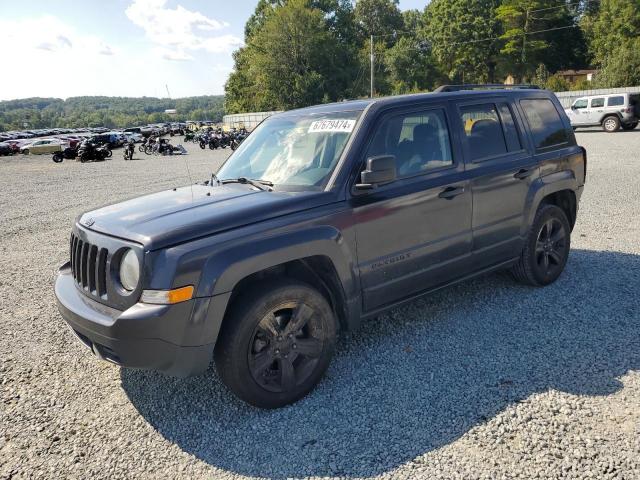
(135, 48)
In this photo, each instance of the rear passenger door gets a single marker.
(501, 169)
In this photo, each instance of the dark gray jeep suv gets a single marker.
(324, 217)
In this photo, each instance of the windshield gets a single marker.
(299, 151)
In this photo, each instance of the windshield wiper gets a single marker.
(261, 184)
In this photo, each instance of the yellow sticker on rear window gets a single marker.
(328, 125)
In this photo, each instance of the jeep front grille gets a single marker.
(89, 267)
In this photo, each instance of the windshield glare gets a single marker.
(292, 150)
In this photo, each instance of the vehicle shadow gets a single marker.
(418, 378)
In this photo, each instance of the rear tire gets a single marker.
(611, 124)
(276, 343)
(546, 248)
(57, 157)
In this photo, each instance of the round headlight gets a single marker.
(129, 271)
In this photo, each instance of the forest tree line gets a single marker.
(111, 112)
(304, 52)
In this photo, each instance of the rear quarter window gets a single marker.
(615, 101)
(547, 128)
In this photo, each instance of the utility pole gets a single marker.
(167, 87)
(371, 66)
(524, 41)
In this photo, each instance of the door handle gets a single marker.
(522, 174)
(451, 192)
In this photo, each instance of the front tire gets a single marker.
(611, 124)
(629, 126)
(57, 157)
(276, 343)
(546, 248)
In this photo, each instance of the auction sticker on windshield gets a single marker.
(328, 125)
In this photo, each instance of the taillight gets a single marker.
(627, 110)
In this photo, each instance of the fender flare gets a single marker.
(226, 268)
(545, 186)
(610, 114)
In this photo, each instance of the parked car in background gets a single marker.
(6, 149)
(15, 145)
(612, 112)
(39, 147)
(135, 137)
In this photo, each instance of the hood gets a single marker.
(170, 217)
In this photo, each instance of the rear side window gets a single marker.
(510, 129)
(544, 120)
(597, 102)
(483, 130)
(615, 101)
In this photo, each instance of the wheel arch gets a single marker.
(319, 256)
(566, 200)
(559, 189)
(610, 114)
(317, 270)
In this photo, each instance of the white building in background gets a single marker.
(246, 120)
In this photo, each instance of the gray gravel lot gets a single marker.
(488, 379)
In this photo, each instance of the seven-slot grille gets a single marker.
(89, 266)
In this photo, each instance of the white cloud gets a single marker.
(179, 30)
(49, 34)
(173, 55)
(106, 50)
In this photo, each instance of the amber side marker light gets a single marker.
(167, 297)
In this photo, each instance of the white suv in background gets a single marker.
(612, 111)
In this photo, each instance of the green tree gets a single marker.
(536, 31)
(520, 51)
(292, 57)
(410, 66)
(457, 30)
(613, 24)
(381, 18)
(542, 75)
(556, 83)
(622, 68)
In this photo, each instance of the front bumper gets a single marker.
(155, 337)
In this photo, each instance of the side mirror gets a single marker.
(380, 171)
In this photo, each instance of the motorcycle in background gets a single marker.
(69, 153)
(128, 150)
(90, 152)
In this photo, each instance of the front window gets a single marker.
(293, 150)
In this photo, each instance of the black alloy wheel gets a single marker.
(546, 249)
(551, 247)
(285, 347)
(276, 343)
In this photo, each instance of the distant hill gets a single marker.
(76, 112)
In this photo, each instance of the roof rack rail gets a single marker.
(487, 86)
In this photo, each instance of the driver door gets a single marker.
(413, 234)
(580, 112)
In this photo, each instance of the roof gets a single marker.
(354, 105)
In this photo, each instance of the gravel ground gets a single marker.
(488, 379)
